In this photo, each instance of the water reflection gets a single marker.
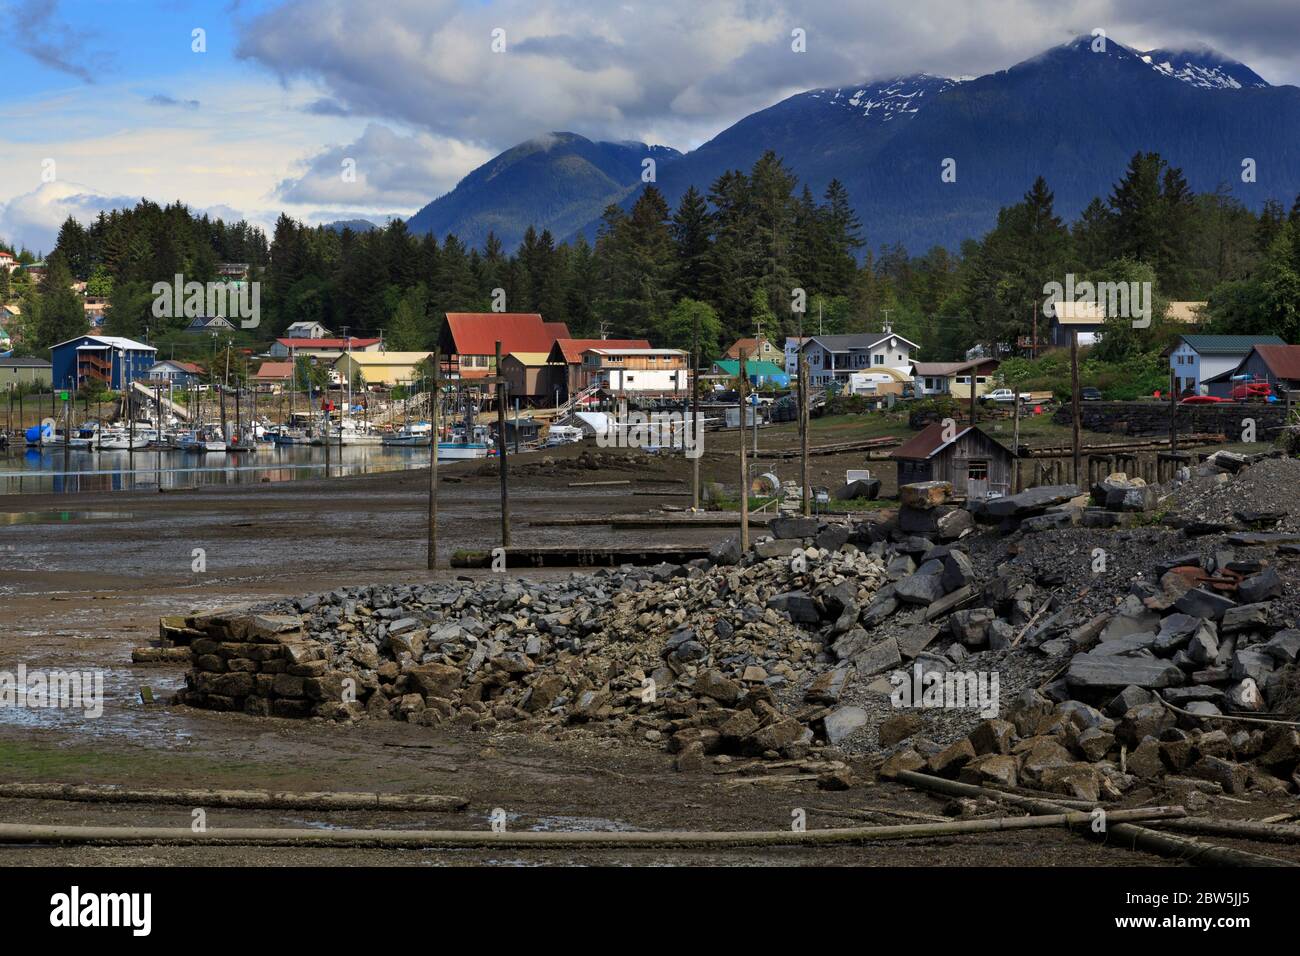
(70, 471)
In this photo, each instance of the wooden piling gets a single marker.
(433, 461)
(501, 451)
(744, 466)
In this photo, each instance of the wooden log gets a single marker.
(1134, 837)
(1251, 829)
(275, 836)
(239, 799)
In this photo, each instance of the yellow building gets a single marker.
(381, 368)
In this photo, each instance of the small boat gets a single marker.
(414, 435)
(462, 447)
(244, 441)
(207, 438)
(87, 436)
(44, 435)
(121, 439)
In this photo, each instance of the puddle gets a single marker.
(48, 517)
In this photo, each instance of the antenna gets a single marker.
(886, 327)
(604, 329)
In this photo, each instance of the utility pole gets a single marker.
(433, 462)
(501, 451)
(1015, 441)
(1074, 402)
(803, 432)
(744, 467)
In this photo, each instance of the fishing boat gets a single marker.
(242, 440)
(475, 444)
(414, 435)
(206, 438)
(87, 436)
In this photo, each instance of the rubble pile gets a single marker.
(1112, 649)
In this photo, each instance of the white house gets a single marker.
(833, 358)
(792, 344)
(307, 330)
(644, 371)
(1195, 358)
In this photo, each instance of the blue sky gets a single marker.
(104, 101)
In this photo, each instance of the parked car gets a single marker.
(1090, 394)
(1005, 395)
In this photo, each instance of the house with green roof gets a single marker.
(759, 373)
(1195, 358)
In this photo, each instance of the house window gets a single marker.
(877, 360)
(963, 379)
(977, 470)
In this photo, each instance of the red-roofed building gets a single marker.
(975, 464)
(1278, 365)
(568, 352)
(469, 339)
(274, 375)
(327, 348)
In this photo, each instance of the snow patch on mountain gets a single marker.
(1203, 68)
(884, 100)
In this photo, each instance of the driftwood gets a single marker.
(268, 836)
(1135, 837)
(1234, 718)
(1250, 829)
(238, 799)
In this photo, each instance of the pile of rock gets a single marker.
(705, 658)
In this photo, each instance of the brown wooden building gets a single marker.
(532, 378)
(975, 464)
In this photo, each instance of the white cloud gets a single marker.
(33, 218)
(390, 169)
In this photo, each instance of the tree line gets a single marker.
(732, 259)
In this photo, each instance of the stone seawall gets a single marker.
(1152, 418)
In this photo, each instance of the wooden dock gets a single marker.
(650, 521)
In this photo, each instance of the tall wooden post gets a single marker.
(1074, 403)
(974, 375)
(695, 412)
(1015, 441)
(1173, 410)
(433, 461)
(744, 466)
(501, 451)
(803, 430)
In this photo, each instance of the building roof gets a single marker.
(929, 441)
(1189, 313)
(357, 343)
(945, 369)
(1228, 344)
(110, 341)
(476, 333)
(1282, 360)
(749, 345)
(571, 349)
(621, 351)
(384, 358)
(1082, 312)
(23, 362)
(860, 340)
(190, 367)
(275, 370)
(530, 359)
(766, 369)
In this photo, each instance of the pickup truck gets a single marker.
(1005, 395)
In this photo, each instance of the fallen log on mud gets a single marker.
(268, 836)
(1248, 829)
(1135, 837)
(235, 799)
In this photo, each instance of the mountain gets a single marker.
(559, 181)
(356, 225)
(1070, 114)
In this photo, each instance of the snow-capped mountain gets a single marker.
(1075, 114)
(1205, 68)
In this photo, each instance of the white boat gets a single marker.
(121, 439)
(207, 438)
(562, 435)
(462, 447)
(414, 435)
(87, 436)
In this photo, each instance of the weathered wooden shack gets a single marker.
(975, 464)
